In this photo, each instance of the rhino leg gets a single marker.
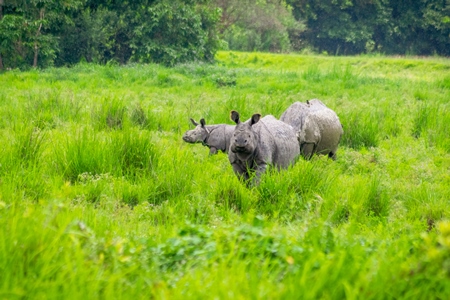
(332, 155)
(260, 169)
(212, 151)
(240, 172)
(307, 150)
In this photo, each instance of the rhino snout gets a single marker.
(240, 143)
(187, 138)
(239, 148)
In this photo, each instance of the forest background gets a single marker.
(42, 33)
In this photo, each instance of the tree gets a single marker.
(258, 25)
(160, 31)
(341, 26)
(389, 26)
(27, 27)
(419, 27)
(175, 31)
(44, 32)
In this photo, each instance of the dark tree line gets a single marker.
(42, 33)
(420, 27)
(63, 32)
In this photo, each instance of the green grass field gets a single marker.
(101, 198)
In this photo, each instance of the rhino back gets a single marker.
(219, 136)
(323, 128)
(331, 130)
(278, 143)
(295, 115)
(316, 104)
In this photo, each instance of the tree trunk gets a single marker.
(36, 50)
(36, 46)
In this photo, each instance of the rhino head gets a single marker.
(244, 140)
(197, 135)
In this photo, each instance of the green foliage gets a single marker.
(177, 32)
(28, 31)
(419, 28)
(45, 33)
(258, 25)
(436, 253)
(10, 35)
(349, 27)
(100, 197)
(169, 32)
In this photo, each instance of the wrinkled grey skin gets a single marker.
(318, 128)
(215, 137)
(260, 142)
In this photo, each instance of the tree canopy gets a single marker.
(419, 27)
(47, 32)
(40, 33)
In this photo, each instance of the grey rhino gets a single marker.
(318, 127)
(215, 137)
(259, 142)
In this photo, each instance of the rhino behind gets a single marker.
(215, 137)
(257, 143)
(318, 127)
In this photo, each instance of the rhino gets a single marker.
(318, 128)
(259, 142)
(215, 137)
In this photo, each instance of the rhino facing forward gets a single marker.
(259, 142)
(318, 127)
(215, 137)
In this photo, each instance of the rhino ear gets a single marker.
(255, 119)
(202, 122)
(234, 116)
(193, 122)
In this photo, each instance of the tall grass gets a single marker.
(361, 129)
(431, 121)
(101, 198)
(82, 151)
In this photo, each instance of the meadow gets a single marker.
(101, 198)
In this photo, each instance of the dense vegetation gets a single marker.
(43, 33)
(386, 26)
(100, 197)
